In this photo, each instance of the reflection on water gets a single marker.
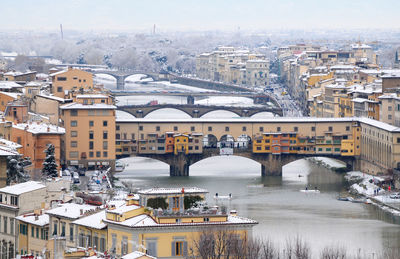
(281, 210)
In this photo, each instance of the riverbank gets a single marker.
(370, 187)
(329, 163)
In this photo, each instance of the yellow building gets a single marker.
(90, 132)
(33, 233)
(62, 231)
(63, 82)
(167, 232)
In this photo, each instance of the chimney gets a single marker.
(81, 211)
(48, 129)
(36, 217)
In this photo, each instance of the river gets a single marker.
(281, 210)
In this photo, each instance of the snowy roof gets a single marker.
(172, 190)
(93, 221)
(343, 67)
(71, 210)
(379, 124)
(21, 188)
(9, 85)
(53, 97)
(360, 46)
(359, 100)
(30, 218)
(391, 75)
(7, 151)
(91, 96)
(17, 73)
(97, 106)
(136, 255)
(33, 84)
(144, 220)
(58, 73)
(9, 144)
(40, 128)
(13, 95)
(121, 207)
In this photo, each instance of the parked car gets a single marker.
(395, 195)
(76, 178)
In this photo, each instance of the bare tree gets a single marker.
(330, 252)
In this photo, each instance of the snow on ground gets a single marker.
(330, 162)
(226, 100)
(121, 115)
(186, 87)
(220, 114)
(263, 115)
(138, 78)
(367, 183)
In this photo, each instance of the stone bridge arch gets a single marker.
(271, 165)
(226, 109)
(120, 76)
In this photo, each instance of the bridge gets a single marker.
(361, 143)
(196, 111)
(257, 97)
(119, 75)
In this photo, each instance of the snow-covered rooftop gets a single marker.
(58, 73)
(120, 207)
(39, 220)
(21, 188)
(93, 221)
(4, 143)
(136, 255)
(13, 95)
(97, 106)
(71, 210)
(172, 190)
(9, 85)
(40, 128)
(53, 97)
(91, 96)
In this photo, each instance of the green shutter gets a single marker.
(185, 249)
(173, 252)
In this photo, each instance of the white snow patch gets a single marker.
(227, 101)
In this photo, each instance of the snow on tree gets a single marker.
(15, 170)
(49, 164)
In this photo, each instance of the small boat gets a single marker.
(223, 197)
(310, 191)
(343, 198)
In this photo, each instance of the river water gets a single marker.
(281, 210)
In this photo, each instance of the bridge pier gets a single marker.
(120, 82)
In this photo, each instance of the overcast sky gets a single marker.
(198, 14)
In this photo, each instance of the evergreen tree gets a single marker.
(49, 164)
(15, 170)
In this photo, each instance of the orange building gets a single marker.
(7, 97)
(34, 138)
(16, 112)
(64, 82)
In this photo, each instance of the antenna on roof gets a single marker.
(62, 34)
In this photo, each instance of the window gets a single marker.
(179, 248)
(96, 242)
(81, 240)
(63, 229)
(105, 134)
(55, 228)
(347, 128)
(91, 154)
(330, 128)
(74, 133)
(71, 233)
(389, 117)
(91, 144)
(14, 200)
(261, 129)
(105, 123)
(91, 135)
(102, 244)
(117, 127)
(91, 123)
(226, 128)
(140, 127)
(209, 128)
(192, 128)
(59, 89)
(151, 246)
(32, 231)
(244, 128)
(73, 154)
(11, 226)
(125, 136)
(5, 222)
(105, 154)
(157, 128)
(105, 144)
(113, 243)
(296, 129)
(175, 128)
(98, 153)
(74, 143)
(74, 112)
(312, 128)
(133, 136)
(61, 78)
(124, 246)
